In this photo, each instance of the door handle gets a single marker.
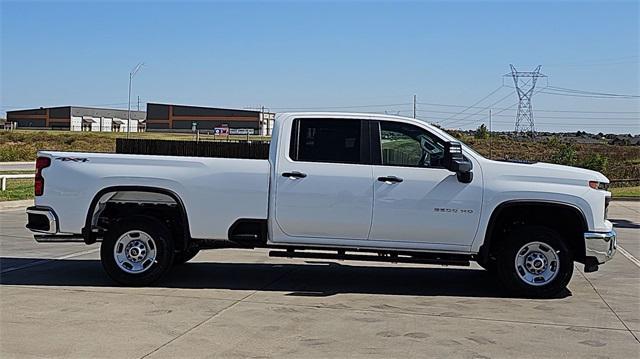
(390, 179)
(294, 175)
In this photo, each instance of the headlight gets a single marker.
(599, 185)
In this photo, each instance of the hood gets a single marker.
(548, 171)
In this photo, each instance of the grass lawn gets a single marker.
(17, 189)
(626, 192)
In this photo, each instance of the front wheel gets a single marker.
(535, 262)
(137, 251)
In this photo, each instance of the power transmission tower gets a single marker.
(525, 83)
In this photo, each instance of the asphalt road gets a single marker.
(55, 301)
(17, 166)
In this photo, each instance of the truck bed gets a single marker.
(215, 191)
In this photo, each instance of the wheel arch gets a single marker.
(500, 212)
(90, 236)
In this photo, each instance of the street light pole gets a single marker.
(131, 75)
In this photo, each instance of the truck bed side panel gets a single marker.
(215, 191)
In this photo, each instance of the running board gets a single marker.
(58, 238)
(421, 258)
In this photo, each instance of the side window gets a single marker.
(326, 140)
(410, 146)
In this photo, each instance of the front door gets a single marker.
(415, 198)
(323, 187)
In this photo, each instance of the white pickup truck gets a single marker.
(335, 186)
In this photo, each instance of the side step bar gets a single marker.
(421, 258)
(58, 238)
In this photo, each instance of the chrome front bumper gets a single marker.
(600, 245)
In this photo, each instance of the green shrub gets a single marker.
(596, 162)
(565, 155)
(482, 132)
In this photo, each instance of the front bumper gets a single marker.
(600, 245)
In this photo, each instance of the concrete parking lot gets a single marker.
(56, 301)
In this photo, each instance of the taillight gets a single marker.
(38, 184)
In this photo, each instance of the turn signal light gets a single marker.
(599, 185)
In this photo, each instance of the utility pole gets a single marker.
(131, 75)
(490, 135)
(525, 83)
(138, 103)
(414, 106)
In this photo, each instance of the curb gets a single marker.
(19, 163)
(9, 205)
(626, 199)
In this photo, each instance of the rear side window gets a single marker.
(327, 140)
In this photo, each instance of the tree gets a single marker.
(566, 155)
(595, 162)
(482, 132)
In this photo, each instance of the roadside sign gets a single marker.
(241, 131)
(221, 131)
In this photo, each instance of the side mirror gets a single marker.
(454, 161)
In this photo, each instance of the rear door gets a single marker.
(323, 185)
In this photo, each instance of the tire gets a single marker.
(185, 256)
(535, 262)
(137, 251)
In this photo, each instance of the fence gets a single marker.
(4, 178)
(239, 149)
(628, 182)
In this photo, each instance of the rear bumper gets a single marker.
(600, 245)
(42, 220)
(43, 223)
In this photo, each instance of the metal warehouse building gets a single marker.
(75, 118)
(169, 117)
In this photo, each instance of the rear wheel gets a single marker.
(137, 251)
(535, 262)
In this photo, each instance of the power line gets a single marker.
(557, 117)
(564, 89)
(477, 102)
(481, 110)
(342, 107)
(574, 111)
(590, 96)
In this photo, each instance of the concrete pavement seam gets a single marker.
(321, 307)
(610, 308)
(243, 300)
(629, 208)
(217, 313)
(629, 256)
(193, 328)
(44, 261)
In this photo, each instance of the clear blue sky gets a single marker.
(303, 54)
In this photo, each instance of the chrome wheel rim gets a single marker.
(537, 263)
(135, 252)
